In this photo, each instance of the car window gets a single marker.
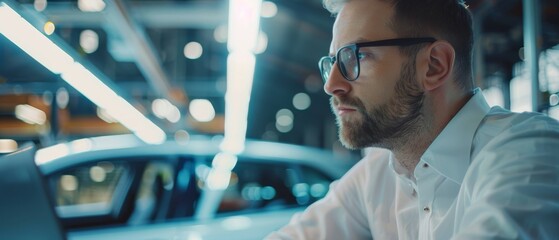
(87, 189)
(256, 185)
(154, 191)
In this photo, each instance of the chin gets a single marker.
(349, 139)
(353, 136)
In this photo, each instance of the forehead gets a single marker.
(362, 19)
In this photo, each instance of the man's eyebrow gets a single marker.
(357, 40)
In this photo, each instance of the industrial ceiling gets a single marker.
(141, 51)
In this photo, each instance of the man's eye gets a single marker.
(362, 55)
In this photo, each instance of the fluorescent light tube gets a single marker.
(32, 41)
(47, 53)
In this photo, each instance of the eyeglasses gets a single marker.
(348, 56)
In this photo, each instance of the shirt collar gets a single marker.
(449, 154)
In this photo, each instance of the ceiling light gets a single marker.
(301, 101)
(244, 24)
(164, 109)
(159, 108)
(269, 9)
(220, 33)
(284, 117)
(240, 74)
(47, 98)
(50, 153)
(193, 50)
(69, 183)
(47, 53)
(62, 98)
(30, 114)
(40, 5)
(175, 115)
(182, 136)
(554, 99)
(91, 5)
(89, 41)
(49, 28)
(262, 43)
(81, 145)
(284, 120)
(8, 145)
(202, 110)
(31, 41)
(97, 174)
(103, 115)
(220, 173)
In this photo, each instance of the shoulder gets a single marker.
(508, 119)
(502, 129)
(509, 145)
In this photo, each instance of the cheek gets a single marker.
(375, 85)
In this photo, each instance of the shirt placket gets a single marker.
(425, 193)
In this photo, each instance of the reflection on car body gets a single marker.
(115, 187)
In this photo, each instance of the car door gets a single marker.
(132, 190)
(257, 185)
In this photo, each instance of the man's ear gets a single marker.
(440, 64)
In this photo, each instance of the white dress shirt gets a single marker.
(490, 174)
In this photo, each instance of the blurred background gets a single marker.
(169, 60)
(147, 112)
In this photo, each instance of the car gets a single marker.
(117, 187)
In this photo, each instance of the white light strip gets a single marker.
(50, 153)
(244, 20)
(240, 75)
(244, 25)
(32, 41)
(220, 174)
(89, 85)
(30, 114)
(7, 145)
(46, 52)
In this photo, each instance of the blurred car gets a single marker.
(117, 187)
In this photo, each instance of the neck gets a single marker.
(408, 150)
(439, 108)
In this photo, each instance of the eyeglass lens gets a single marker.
(325, 68)
(347, 62)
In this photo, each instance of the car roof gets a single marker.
(82, 151)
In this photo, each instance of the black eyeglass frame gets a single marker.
(356, 46)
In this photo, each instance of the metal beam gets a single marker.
(532, 46)
(123, 25)
(192, 15)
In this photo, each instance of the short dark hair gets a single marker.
(448, 20)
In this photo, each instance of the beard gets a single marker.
(387, 125)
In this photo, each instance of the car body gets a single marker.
(117, 187)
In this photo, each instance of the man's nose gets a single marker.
(336, 83)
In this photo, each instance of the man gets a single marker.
(399, 76)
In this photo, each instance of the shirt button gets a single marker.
(426, 209)
(425, 165)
